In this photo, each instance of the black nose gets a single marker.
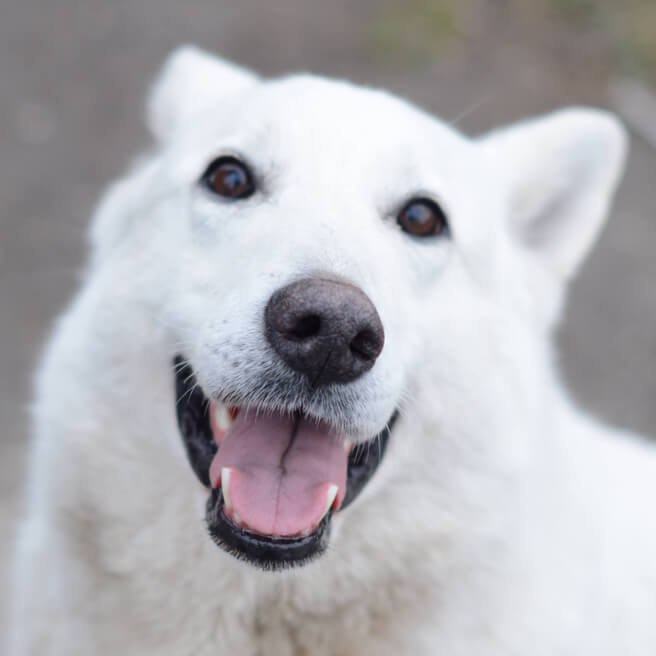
(326, 329)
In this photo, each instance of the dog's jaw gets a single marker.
(279, 537)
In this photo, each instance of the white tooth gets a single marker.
(330, 498)
(225, 484)
(348, 445)
(305, 532)
(222, 417)
(236, 518)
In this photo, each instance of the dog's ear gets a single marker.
(560, 172)
(190, 79)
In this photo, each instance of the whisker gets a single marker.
(468, 111)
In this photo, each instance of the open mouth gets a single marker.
(275, 478)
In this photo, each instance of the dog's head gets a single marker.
(341, 276)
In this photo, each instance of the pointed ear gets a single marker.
(190, 79)
(560, 173)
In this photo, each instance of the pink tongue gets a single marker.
(280, 474)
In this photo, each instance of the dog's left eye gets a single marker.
(423, 217)
(229, 177)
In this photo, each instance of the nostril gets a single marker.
(366, 345)
(305, 326)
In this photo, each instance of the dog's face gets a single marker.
(332, 263)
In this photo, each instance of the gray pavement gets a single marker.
(72, 80)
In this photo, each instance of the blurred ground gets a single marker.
(73, 76)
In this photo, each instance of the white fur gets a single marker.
(502, 521)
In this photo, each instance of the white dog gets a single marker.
(306, 401)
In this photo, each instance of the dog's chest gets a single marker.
(282, 622)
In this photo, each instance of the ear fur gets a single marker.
(560, 173)
(189, 79)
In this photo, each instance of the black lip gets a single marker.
(193, 411)
(267, 552)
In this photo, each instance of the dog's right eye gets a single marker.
(229, 177)
(423, 217)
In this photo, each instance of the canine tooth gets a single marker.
(305, 532)
(330, 499)
(236, 518)
(222, 417)
(225, 484)
(348, 445)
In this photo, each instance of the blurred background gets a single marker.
(73, 76)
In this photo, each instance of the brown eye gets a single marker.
(423, 217)
(228, 177)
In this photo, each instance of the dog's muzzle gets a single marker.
(276, 477)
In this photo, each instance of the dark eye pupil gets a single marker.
(418, 213)
(228, 177)
(232, 177)
(422, 218)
